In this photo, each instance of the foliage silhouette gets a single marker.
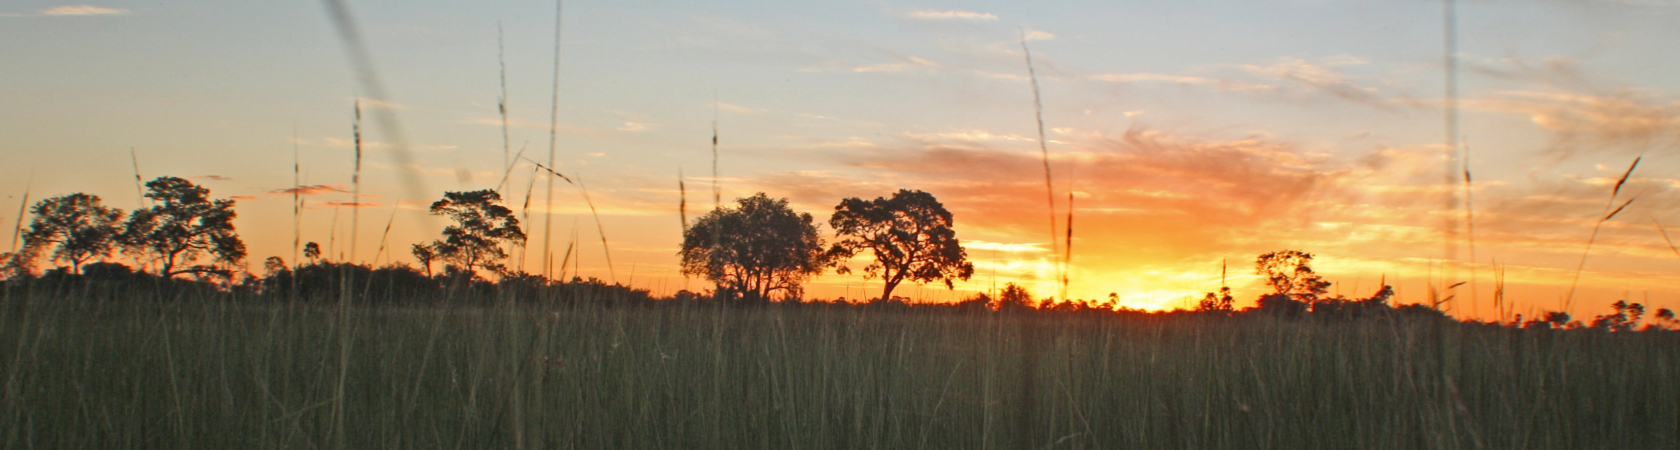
(1290, 273)
(312, 251)
(1013, 296)
(78, 226)
(424, 254)
(482, 226)
(755, 250)
(1625, 317)
(183, 225)
(910, 236)
(1221, 302)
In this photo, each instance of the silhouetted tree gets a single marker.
(183, 225)
(481, 227)
(273, 266)
(425, 254)
(312, 251)
(1627, 315)
(1665, 320)
(1549, 319)
(77, 226)
(910, 236)
(18, 264)
(1290, 273)
(1222, 302)
(756, 249)
(1015, 296)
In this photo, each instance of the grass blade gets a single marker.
(1044, 150)
(370, 83)
(553, 133)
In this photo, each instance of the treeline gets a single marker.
(755, 251)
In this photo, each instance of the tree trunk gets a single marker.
(891, 283)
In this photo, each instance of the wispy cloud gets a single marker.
(734, 108)
(950, 15)
(966, 136)
(636, 126)
(378, 104)
(1224, 84)
(1628, 120)
(370, 145)
(910, 62)
(70, 10)
(354, 204)
(1037, 35)
(82, 10)
(312, 190)
(975, 244)
(1320, 77)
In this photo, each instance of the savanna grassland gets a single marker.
(139, 363)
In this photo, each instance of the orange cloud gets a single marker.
(312, 190)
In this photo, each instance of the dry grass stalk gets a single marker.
(553, 134)
(384, 238)
(297, 207)
(23, 206)
(1067, 248)
(369, 82)
(1044, 150)
(509, 172)
(501, 102)
(140, 198)
(1569, 299)
(1470, 229)
(356, 183)
(717, 192)
(570, 245)
(1500, 305)
(525, 212)
(599, 229)
(332, 235)
(1664, 232)
(682, 203)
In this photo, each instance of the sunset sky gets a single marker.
(1189, 133)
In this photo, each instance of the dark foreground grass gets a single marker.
(126, 370)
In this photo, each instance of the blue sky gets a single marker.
(1188, 132)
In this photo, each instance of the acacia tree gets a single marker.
(758, 248)
(1290, 273)
(182, 226)
(77, 226)
(481, 226)
(909, 234)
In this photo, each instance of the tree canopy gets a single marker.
(183, 225)
(1290, 273)
(482, 226)
(76, 226)
(756, 249)
(909, 234)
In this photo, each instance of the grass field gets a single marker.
(103, 367)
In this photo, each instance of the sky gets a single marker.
(1191, 136)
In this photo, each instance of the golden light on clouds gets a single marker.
(82, 10)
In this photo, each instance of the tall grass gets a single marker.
(134, 157)
(553, 134)
(92, 367)
(1599, 223)
(1044, 150)
(23, 207)
(356, 184)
